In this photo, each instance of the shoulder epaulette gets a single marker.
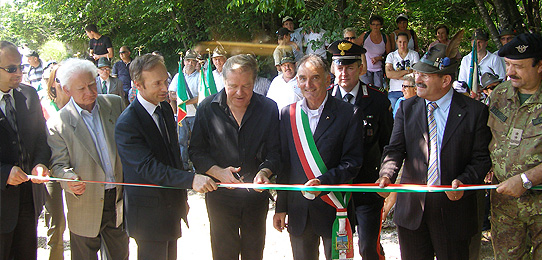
(381, 89)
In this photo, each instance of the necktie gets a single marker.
(432, 170)
(348, 97)
(104, 87)
(162, 123)
(12, 119)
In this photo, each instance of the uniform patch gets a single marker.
(495, 111)
(537, 121)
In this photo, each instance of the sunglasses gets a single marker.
(407, 86)
(13, 69)
(122, 52)
(349, 38)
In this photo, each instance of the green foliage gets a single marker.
(53, 50)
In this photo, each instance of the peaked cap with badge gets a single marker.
(523, 46)
(287, 57)
(440, 59)
(219, 51)
(345, 52)
(191, 55)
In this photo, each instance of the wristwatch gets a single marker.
(527, 184)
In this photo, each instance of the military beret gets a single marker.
(523, 46)
(345, 52)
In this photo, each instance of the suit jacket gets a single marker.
(115, 88)
(377, 125)
(464, 156)
(74, 154)
(152, 213)
(31, 126)
(339, 140)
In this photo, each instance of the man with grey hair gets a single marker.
(82, 141)
(334, 128)
(149, 151)
(236, 139)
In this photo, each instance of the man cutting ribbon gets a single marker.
(322, 143)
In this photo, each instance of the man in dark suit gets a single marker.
(336, 129)
(23, 150)
(107, 84)
(443, 138)
(149, 151)
(377, 125)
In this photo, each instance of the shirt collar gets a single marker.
(80, 110)
(305, 106)
(445, 101)
(148, 106)
(10, 92)
(354, 91)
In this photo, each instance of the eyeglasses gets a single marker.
(122, 52)
(349, 38)
(105, 69)
(407, 86)
(13, 69)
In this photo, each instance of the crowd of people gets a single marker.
(94, 124)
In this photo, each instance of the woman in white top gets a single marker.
(402, 27)
(377, 45)
(398, 64)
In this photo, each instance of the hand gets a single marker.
(16, 176)
(225, 175)
(261, 178)
(279, 221)
(78, 188)
(512, 187)
(41, 171)
(455, 195)
(388, 204)
(474, 95)
(203, 184)
(313, 182)
(374, 60)
(489, 177)
(382, 183)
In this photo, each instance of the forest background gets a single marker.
(55, 27)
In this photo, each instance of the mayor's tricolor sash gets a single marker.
(314, 166)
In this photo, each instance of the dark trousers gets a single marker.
(305, 247)
(431, 238)
(156, 250)
(369, 218)
(237, 223)
(22, 242)
(114, 238)
(55, 221)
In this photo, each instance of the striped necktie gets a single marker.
(432, 171)
(104, 87)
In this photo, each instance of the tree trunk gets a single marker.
(487, 20)
(516, 20)
(177, 27)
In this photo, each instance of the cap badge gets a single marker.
(522, 48)
(344, 46)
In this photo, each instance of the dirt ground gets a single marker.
(195, 242)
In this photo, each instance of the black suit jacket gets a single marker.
(377, 126)
(339, 140)
(31, 126)
(151, 213)
(464, 156)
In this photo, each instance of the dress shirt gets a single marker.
(3, 103)
(313, 114)
(284, 93)
(441, 117)
(354, 93)
(94, 125)
(490, 63)
(107, 84)
(219, 80)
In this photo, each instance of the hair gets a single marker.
(440, 26)
(242, 63)
(51, 91)
(128, 48)
(350, 29)
(6, 46)
(91, 28)
(403, 34)
(144, 63)
(410, 78)
(316, 61)
(72, 66)
(400, 19)
(376, 18)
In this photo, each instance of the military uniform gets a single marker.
(513, 153)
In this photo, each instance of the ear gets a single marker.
(539, 64)
(139, 86)
(447, 80)
(328, 80)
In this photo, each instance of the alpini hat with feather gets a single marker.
(440, 59)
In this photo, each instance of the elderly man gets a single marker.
(83, 147)
(106, 84)
(443, 138)
(377, 123)
(487, 61)
(219, 58)
(121, 69)
(23, 150)
(283, 89)
(148, 148)
(236, 139)
(334, 128)
(516, 151)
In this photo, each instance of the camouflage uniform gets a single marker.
(516, 222)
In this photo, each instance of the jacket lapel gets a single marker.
(108, 124)
(420, 114)
(82, 132)
(326, 119)
(455, 116)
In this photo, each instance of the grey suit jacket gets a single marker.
(115, 88)
(74, 154)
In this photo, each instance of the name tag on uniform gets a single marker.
(515, 137)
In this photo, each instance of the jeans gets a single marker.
(185, 131)
(375, 78)
(393, 96)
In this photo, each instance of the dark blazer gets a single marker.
(31, 126)
(377, 126)
(339, 140)
(151, 213)
(115, 88)
(464, 156)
